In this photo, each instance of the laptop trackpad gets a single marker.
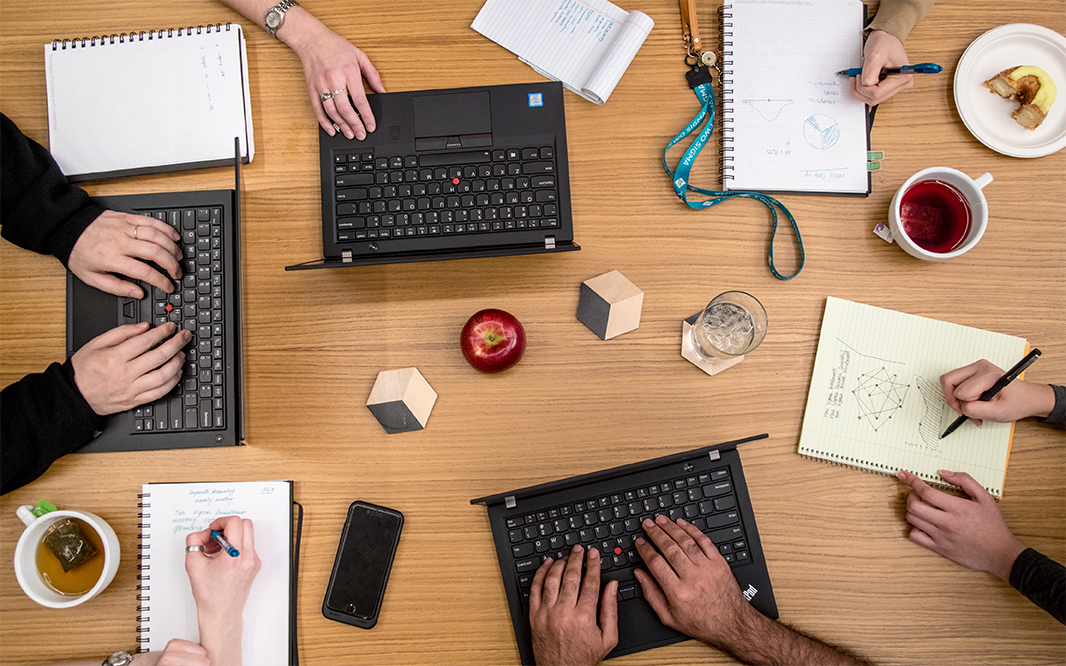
(94, 313)
(452, 114)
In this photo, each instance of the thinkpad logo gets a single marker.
(750, 593)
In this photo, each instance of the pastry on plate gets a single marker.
(1031, 87)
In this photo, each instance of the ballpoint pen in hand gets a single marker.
(1007, 378)
(226, 545)
(921, 68)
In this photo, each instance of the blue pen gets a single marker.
(921, 68)
(226, 545)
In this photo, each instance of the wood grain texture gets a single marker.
(841, 566)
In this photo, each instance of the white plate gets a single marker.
(986, 114)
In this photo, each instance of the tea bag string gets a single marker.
(705, 93)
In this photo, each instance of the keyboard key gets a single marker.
(722, 519)
(726, 535)
(526, 565)
(723, 503)
(522, 550)
(716, 489)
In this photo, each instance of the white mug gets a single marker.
(26, 557)
(975, 199)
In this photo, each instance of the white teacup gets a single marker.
(26, 557)
(975, 200)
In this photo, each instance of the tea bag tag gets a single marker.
(883, 231)
(29, 514)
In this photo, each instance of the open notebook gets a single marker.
(789, 123)
(169, 511)
(875, 400)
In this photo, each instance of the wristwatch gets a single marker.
(276, 16)
(120, 658)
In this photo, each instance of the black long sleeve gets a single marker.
(1042, 581)
(42, 417)
(39, 209)
(1057, 417)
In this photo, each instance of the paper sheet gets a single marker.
(171, 511)
(585, 44)
(875, 400)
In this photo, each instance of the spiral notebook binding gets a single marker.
(141, 36)
(143, 589)
(837, 460)
(726, 77)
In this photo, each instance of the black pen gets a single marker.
(1009, 377)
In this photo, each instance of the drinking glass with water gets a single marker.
(733, 324)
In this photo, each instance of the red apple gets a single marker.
(492, 340)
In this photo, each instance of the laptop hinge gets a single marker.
(714, 455)
(346, 256)
(509, 502)
(549, 242)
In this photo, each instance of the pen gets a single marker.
(226, 545)
(921, 68)
(1009, 377)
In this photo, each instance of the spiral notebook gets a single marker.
(875, 400)
(148, 102)
(789, 123)
(169, 511)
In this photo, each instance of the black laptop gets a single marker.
(206, 407)
(605, 510)
(449, 174)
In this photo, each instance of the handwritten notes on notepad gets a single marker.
(791, 122)
(585, 44)
(173, 510)
(875, 400)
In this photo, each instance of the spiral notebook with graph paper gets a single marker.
(168, 512)
(789, 123)
(875, 400)
(148, 102)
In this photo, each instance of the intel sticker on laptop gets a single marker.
(536, 99)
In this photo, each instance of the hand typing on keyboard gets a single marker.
(122, 243)
(562, 611)
(129, 366)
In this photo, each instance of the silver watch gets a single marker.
(120, 658)
(276, 16)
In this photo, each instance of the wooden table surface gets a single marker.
(834, 538)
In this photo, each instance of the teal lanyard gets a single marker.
(705, 93)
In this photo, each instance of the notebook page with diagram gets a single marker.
(789, 122)
(875, 400)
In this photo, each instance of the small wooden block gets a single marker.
(401, 400)
(712, 366)
(610, 305)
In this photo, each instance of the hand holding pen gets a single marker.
(963, 388)
(882, 51)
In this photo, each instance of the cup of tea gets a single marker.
(52, 561)
(939, 213)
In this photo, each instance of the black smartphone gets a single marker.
(361, 568)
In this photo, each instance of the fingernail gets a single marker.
(647, 522)
(593, 554)
(661, 519)
(136, 293)
(682, 521)
(901, 475)
(577, 548)
(546, 560)
(640, 541)
(371, 128)
(612, 587)
(350, 134)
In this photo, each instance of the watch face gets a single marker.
(273, 18)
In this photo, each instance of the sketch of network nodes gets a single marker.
(932, 421)
(769, 109)
(821, 131)
(880, 395)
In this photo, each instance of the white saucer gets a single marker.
(987, 115)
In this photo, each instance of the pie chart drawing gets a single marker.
(821, 131)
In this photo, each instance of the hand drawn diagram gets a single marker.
(879, 395)
(932, 422)
(821, 131)
(769, 109)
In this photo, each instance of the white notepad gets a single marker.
(789, 123)
(148, 103)
(169, 512)
(585, 44)
(875, 400)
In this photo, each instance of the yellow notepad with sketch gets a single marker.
(875, 401)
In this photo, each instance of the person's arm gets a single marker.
(692, 590)
(562, 612)
(178, 652)
(1020, 399)
(220, 586)
(1042, 581)
(1057, 416)
(884, 48)
(331, 63)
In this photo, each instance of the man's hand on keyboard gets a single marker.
(129, 366)
(562, 612)
(116, 243)
(691, 588)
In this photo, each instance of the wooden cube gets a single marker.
(610, 305)
(401, 400)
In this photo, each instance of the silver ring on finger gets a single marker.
(135, 228)
(326, 95)
(340, 92)
(194, 549)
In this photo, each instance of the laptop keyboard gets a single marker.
(611, 524)
(445, 194)
(198, 401)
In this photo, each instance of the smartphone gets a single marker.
(361, 569)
